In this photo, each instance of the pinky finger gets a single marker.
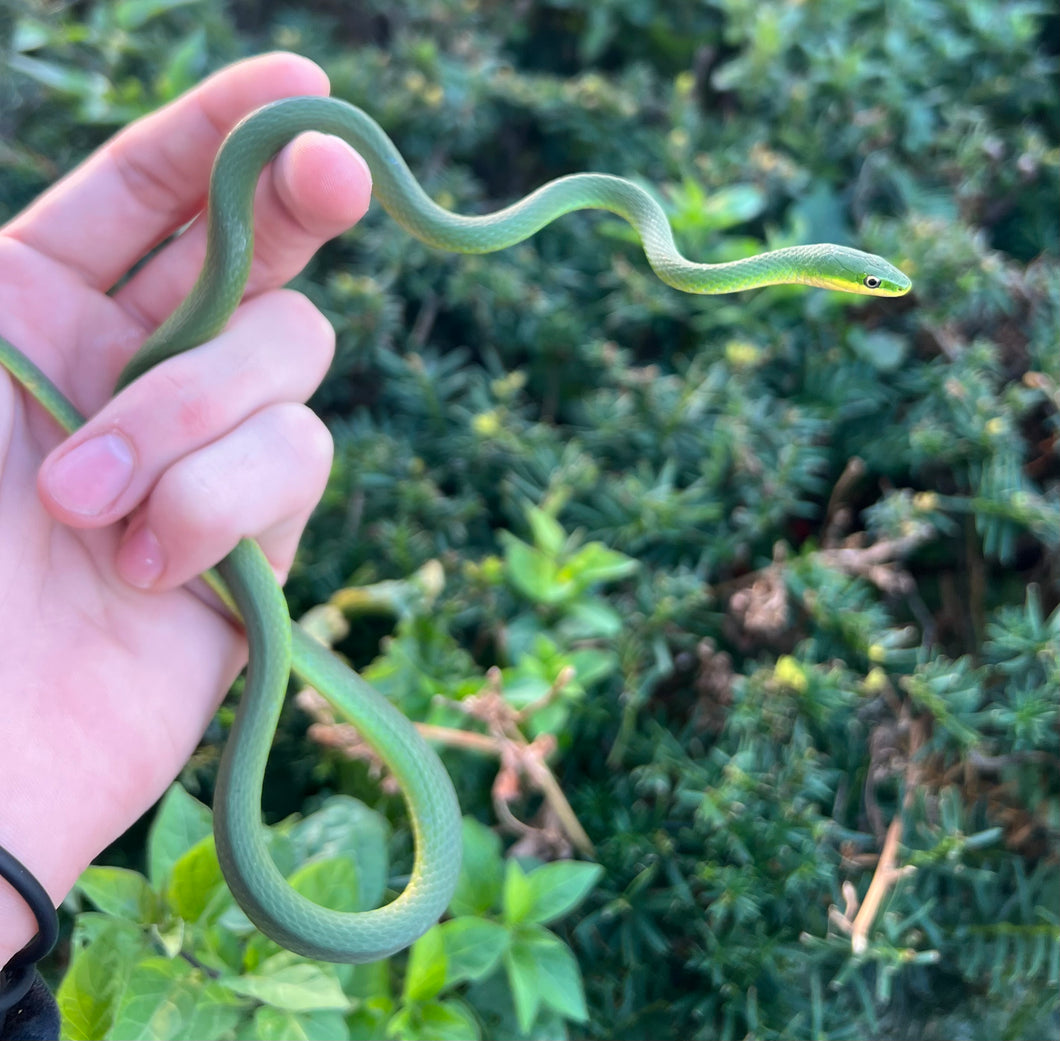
(261, 480)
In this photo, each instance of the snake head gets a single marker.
(852, 271)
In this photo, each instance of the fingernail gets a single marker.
(140, 558)
(90, 477)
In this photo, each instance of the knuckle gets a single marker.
(192, 407)
(152, 180)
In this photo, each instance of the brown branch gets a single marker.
(520, 760)
(887, 872)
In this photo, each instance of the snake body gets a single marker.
(277, 646)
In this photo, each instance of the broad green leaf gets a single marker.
(882, 350)
(478, 888)
(594, 563)
(286, 982)
(427, 967)
(172, 999)
(548, 1027)
(333, 883)
(87, 86)
(549, 536)
(449, 1020)
(345, 827)
(522, 686)
(368, 1022)
(369, 980)
(591, 617)
(436, 1021)
(92, 987)
(518, 899)
(473, 947)
(214, 1012)
(195, 880)
(592, 664)
(735, 204)
(556, 889)
(524, 985)
(273, 1024)
(180, 822)
(184, 66)
(547, 965)
(119, 892)
(30, 34)
(532, 573)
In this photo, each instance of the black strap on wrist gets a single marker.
(18, 975)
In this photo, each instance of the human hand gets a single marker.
(110, 667)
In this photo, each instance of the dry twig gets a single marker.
(857, 921)
(523, 763)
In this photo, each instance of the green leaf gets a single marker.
(556, 889)
(448, 1020)
(368, 1023)
(531, 572)
(518, 899)
(882, 350)
(170, 999)
(369, 980)
(590, 618)
(592, 664)
(287, 982)
(345, 827)
(119, 892)
(427, 967)
(549, 536)
(734, 204)
(594, 563)
(473, 947)
(184, 67)
(88, 86)
(542, 970)
(180, 822)
(478, 888)
(273, 1024)
(524, 984)
(195, 881)
(91, 989)
(332, 883)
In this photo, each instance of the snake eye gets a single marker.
(872, 282)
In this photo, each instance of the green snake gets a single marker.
(277, 646)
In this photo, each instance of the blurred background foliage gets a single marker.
(787, 561)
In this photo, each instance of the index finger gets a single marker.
(152, 177)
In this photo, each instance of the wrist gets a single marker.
(30, 926)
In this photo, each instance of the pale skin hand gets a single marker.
(110, 668)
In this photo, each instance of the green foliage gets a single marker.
(776, 536)
(171, 956)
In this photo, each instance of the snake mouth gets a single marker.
(894, 285)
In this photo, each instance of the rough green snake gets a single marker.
(277, 646)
